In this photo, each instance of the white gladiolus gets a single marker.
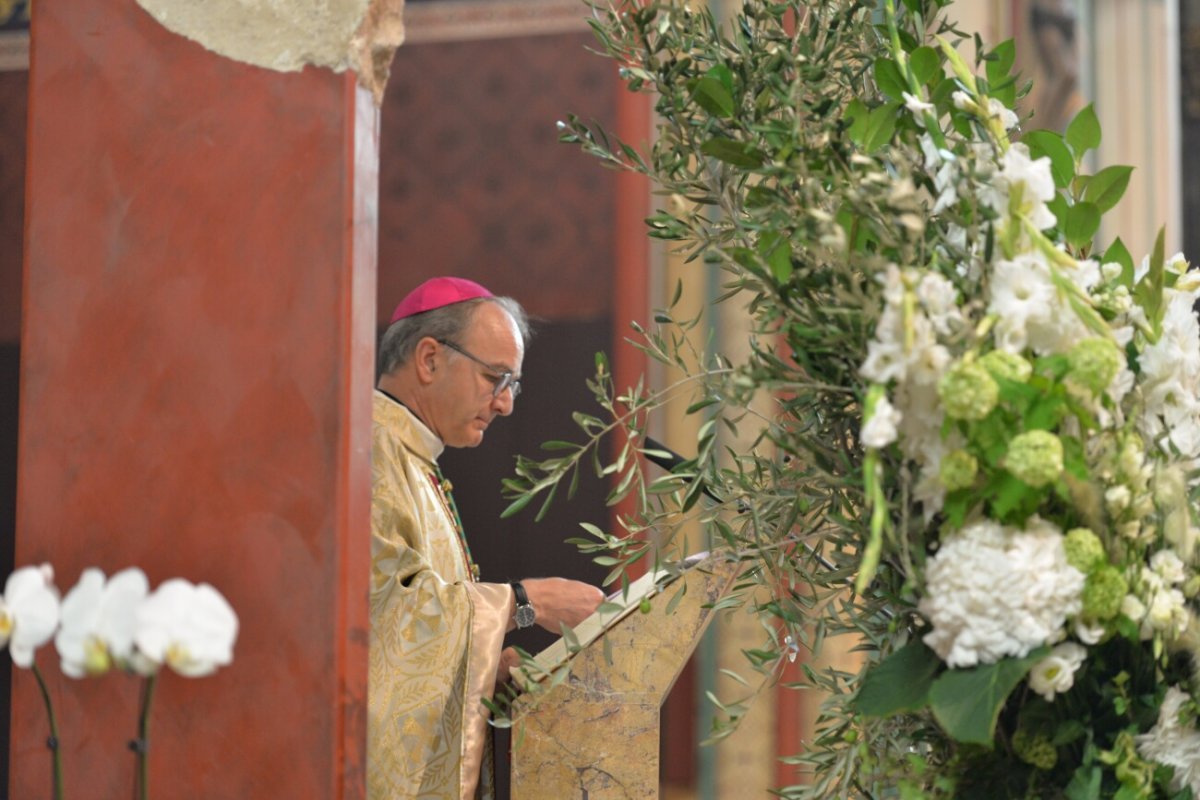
(98, 621)
(28, 612)
(1025, 183)
(996, 109)
(880, 429)
(916, 105)
(192, 629)
(1055, 673)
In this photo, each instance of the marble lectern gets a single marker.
(594, 735)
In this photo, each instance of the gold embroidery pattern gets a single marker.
(424, 738)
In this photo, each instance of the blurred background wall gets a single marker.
(472, 182)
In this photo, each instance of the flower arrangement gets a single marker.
(116, 622)
(982, 450)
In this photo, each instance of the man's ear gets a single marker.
(425, 358)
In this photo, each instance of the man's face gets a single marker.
(465, 403)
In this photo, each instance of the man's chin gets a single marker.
(472, 438)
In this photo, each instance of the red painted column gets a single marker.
(631, 283)
(195, 396)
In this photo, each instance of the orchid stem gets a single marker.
(142, 744)
(52, 743)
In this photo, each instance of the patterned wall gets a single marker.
(473, 181)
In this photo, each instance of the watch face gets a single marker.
(525, 616)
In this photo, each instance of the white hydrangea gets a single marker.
(1173, 744)
(994, 592)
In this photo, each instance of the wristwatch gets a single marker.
(524, 615)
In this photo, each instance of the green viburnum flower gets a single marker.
(1132, 771)
(968, 391)
(1103, 592)
(1084, 549)
(1035, 749)
(1094, 363)
(1006, 365)
(1035, 457)
(958, 470)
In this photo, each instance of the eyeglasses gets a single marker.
(501, 379)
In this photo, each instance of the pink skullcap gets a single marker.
(436, 293)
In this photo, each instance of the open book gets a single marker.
(615, 608)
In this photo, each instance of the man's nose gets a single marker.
(503, 402)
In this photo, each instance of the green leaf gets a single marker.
(956, 506)
(1068, 731)
(888, 79)
(1083, 132)
(1083, 220)
(1045, 413)
(1149, 291)
(1107, 186)
(1000, 61)
(967, 702)
(714, 92)
(776, 249)
(1085, 783)
(734, 153)
(900, 683)
(1059, 208)
(1011, 497)
(881, 124)
(924, 63)
(760, 197)
(856, 114)
(1117, 253)
(1050, 144)
(516, 505)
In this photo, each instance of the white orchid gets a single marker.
(98, 621)
(190, 628)
(28, 612)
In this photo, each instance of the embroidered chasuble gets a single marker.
(436, 634)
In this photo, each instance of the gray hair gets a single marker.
(446, 323)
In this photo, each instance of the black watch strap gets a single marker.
(523, 613)
(519, 592)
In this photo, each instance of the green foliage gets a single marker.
(900, 683)
(967, 702)
(802, 149)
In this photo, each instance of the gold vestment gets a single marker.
(436, 634)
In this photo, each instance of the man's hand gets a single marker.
(508, 659)
(558, 601)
